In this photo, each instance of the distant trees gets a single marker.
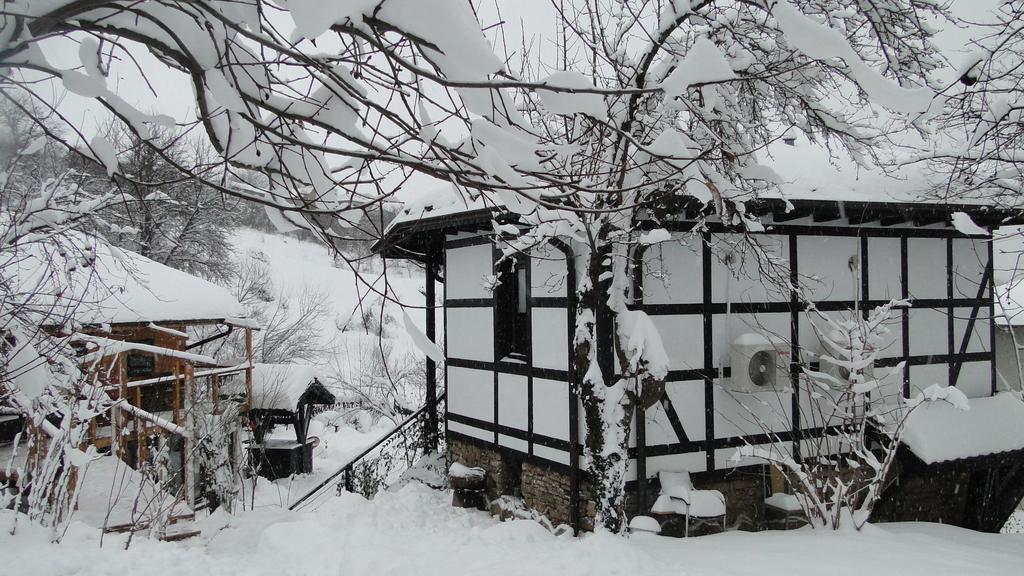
(167, 214)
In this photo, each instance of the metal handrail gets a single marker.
(352, 462)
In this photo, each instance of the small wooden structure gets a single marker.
(142, 340)
(285, 394)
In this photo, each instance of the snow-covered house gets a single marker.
(140, 326)
(735, 336)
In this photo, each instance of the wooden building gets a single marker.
(141, 327)
(512, 404)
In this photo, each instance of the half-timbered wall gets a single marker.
(703, 290)
(709, 287)
(517, 406)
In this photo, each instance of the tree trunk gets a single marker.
(607, 407)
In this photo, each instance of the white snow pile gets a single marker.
(966, 226)
(280, 385)
(703, 63)
(459, 470)
(572, 102)
(783, 501)
(415, 530)
(441, 201)
(939, 431)
(102, 284)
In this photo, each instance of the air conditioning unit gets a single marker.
(759, 363)
(840, 373)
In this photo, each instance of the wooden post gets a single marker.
(248, 370)
(215, 393)
(177, 394)
(120, 418)
(140, 430)
(190, 402)
(430, 435)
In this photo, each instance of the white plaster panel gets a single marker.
(471, 431)
(978, 339)
(890, 345)
(514, 443)
(890, 384)
(471, 333)
(471, 393)
(683, 338)
(817, 407)
(550, 338)
(928, 332)
(548, 273)
(725, 457)
(692, 462)
(658, 428)
(673, 273)
(688, 400)
(975, 379)
(466, 269)
(726, 328)
(737, 414)
(884, 268)
(741, 278)
(513, 401)
(925, 375)
(969, 260)
(551, 454)
(822, 446)
(551, 408)
(926, 266)
(824, 266)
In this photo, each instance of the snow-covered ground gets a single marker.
(416, 531)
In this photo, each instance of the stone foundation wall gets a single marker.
(543, 489)
(548, 491)
(477, 456)
(744, 498)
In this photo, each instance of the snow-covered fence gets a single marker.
(379, 464)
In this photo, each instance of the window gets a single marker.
(512, 318)
(141, 364)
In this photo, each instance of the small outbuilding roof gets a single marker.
(284, 386)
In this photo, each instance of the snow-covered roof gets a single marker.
(101, 284)
(803, 171)
(939, 431)
(279, 386)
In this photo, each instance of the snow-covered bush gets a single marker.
(839, 476)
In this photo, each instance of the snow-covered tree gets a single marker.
(164, 214)
(982, 149)
(645, 108)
